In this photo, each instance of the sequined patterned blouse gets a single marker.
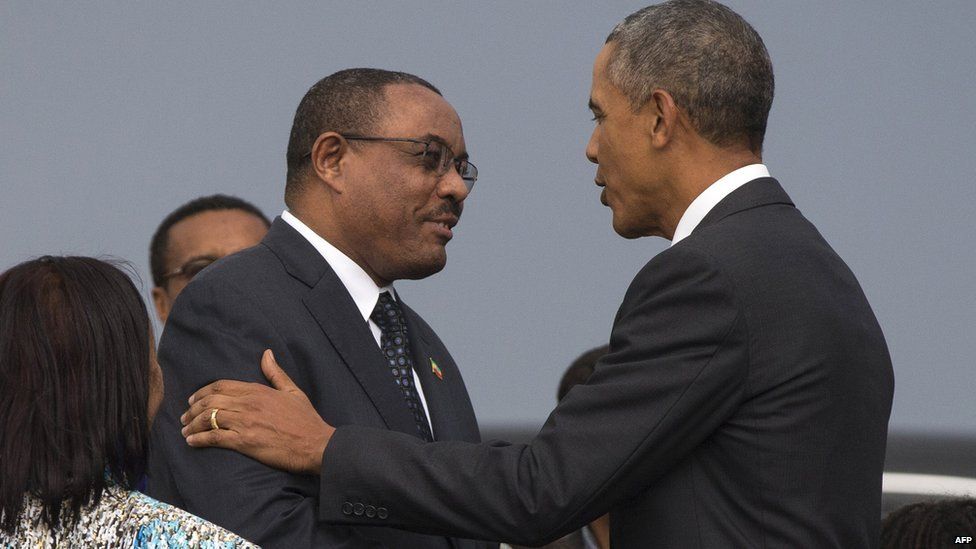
(122, 519)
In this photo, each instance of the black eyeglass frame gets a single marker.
(461, 165)
(182, 269)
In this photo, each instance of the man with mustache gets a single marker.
(745, 398)
(377, 175)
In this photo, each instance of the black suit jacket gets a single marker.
(282, 294)
(744, 403)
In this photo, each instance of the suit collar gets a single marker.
(758, 192)
(712, 195)
(358, 283)
(300, 259)
(337, 315)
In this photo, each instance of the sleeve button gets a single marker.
(358, 509)
(382, 513)
(370, 511)
(347, 508)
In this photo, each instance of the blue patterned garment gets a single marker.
(123, 519)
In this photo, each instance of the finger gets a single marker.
(207, 403)
(197, 423)
(278, 378)
(227, 420)
(220, 439)
(220, 387)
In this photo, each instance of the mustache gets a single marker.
(450, 207)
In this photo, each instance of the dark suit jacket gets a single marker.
(744, 403)
(572, 540)
(282, 294)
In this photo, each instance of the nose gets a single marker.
(592, 148)
(452, 186)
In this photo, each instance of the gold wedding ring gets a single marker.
(213, 420)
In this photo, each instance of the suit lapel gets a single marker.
(334, 310)
(336, 313)
(437, 391)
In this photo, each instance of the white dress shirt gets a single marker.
(714, 194)
(365, 293)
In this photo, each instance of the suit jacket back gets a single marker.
(744, 403)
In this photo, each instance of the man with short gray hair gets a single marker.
(745, 398)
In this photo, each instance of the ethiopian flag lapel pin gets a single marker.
(436, 369)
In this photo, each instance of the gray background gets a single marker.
(113, 114)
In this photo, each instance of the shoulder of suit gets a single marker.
(237, 277)
(240, 266)
(675, 267)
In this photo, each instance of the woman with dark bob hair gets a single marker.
(79, 385)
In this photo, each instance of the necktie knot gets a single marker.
(387, 315)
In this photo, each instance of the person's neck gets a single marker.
(323, 225)
(697, 170)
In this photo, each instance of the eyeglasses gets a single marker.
(437, 156)
(191, 268)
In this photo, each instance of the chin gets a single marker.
(627, 231)
(427, 266)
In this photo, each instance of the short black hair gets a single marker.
(711, 61)
(75, 351)
(580, 370)
(214, 202)
(929, 524)
(348, 101)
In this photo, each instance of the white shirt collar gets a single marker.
(360, 286)
(714, 194)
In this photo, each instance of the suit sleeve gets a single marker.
(676, 370)
(216, 332)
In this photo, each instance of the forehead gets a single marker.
(214, 232)
(601, 87)
(415, 111)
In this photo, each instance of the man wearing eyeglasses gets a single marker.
(745, 398)
(195, 235)
(378, 173)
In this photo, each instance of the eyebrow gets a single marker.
(202, 256)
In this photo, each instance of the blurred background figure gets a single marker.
(595, 535)
(79, 385)
(195, 235)
(945, 523)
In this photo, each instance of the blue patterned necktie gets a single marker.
(396, 350)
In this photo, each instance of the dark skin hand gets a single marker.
(276, 425)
